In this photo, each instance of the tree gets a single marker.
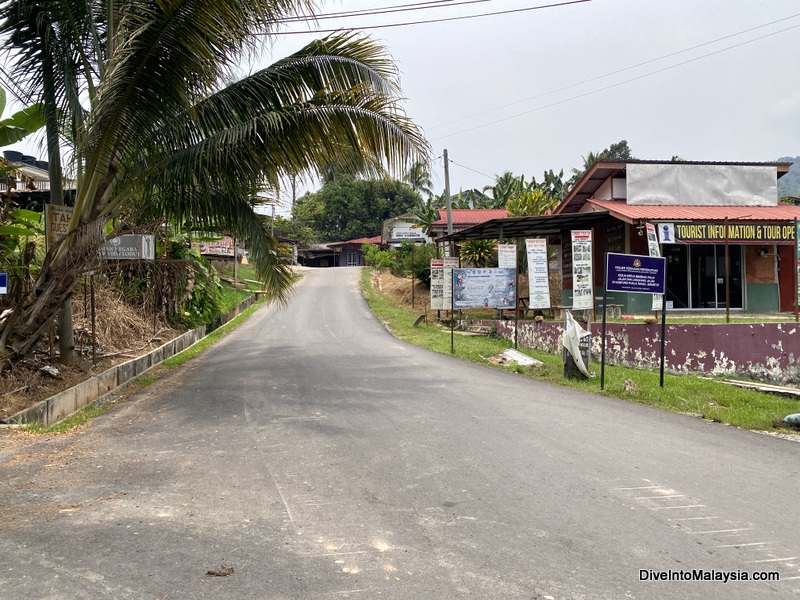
(159, 135)
(618, 151)
(419, 178)
(531, 203)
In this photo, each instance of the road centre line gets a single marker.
(684, 506)
(747, 544)
(719, 531)
(752, 562)
(658, 497)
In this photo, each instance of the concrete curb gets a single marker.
(61, 405)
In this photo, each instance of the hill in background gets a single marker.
(789, 184)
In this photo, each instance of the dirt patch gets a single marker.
(399, 289)
(122, 332)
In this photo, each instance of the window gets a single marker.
(353, 259)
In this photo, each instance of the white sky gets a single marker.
(740, 104)
(486, 88)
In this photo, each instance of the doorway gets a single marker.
(696, 275)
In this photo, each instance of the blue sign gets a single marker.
(634, 273)
(3, 283)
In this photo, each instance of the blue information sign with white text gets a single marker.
(635, 273)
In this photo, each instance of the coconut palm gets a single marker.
(419, 178)
(153, 130)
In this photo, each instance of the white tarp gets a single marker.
(573, 333)
(701, 185)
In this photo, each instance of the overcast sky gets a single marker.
(487, 89)
(534, 90)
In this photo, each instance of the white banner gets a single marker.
(485, 288)
(507, 256)
(437, 284)
(450, 263)
(582, 284)
(654, 250)
(538, 273)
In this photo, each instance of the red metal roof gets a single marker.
(471, 216)
(626, 212)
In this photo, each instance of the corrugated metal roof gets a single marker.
(517, 227)
(471, 216)
(626, 212)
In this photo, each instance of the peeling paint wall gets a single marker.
(766, 351)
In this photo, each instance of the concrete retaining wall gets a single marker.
(65, 403)
(768, 351)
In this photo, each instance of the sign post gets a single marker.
(639, 275)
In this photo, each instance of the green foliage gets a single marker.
(347, 208)
(21, 124)
(422, 255)
(201, 295)
(531, 203)
(480, 253)
(379, 258)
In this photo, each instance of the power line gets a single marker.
(367, 12)
(470, 169)
(617, 72)
(442, 20)
(613, 85)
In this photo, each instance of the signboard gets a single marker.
(635, 274)
(507, 256)
(437, 284)
(538, 275)
(3, 283)
(654, 250)
(739, 233)
(221, 247)
(56, 219)
(582, 285)
(450, 263)
(408, 232)
(129, 247)
(484, 288)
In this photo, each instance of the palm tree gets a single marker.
(159, 134)
(419, 178)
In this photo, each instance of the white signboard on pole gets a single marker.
(655, 251)
(538, 274)
(437, 284)
(582, 284)
(450, 263)
(484, 288)
(507, 256)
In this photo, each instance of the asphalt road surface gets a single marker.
(309, 454)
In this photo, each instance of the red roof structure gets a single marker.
(633, 214)
(471, 216)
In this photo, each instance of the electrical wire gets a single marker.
(613, 85)
(469, 169)
(429, 21)
(368, 12)
(617, 72)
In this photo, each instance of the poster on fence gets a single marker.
(655, 251)
(507, 256)
(582, 285)
(538, 273)
(484, 288)
(437, 284)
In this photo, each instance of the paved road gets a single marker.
(318, 457)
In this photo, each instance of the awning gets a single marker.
(519, 227)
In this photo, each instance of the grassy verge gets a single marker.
(710, 399)
(198, 347)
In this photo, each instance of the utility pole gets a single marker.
(447, 199)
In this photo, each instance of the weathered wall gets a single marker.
(770, 351)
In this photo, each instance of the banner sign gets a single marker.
(739, 233)
(538, 273)
(56, 219)
(507, 256)
(3, 283)
(450, 263)
(221, 247)
(654, 250)
(582, 286)
(635, 274)
(437, 284)
(129, 247)
(484, 288)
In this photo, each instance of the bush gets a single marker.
(398, 261)
(200, 296)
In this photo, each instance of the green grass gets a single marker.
(198, 347)
(713, 400)
(233, 297)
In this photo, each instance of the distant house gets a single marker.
(27, 180)
(336, 254)
(464, 218)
